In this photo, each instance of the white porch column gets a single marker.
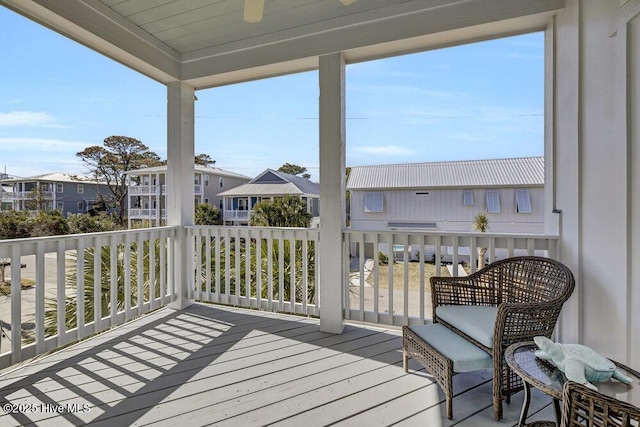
(180, 162)
(332, 191)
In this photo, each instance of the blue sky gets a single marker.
(477, 101)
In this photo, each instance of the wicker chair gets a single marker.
(527, 293)
(585, 407)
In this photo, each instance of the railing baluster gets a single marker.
(197, 257)
(360, 246)
(405, 293)
(163, 267)
(60, 291)
(390, 267)
(270, 268)
(292, 272)
(259, 268)
(281, 271)
(16, 305)
(140, 272)
(237, 242)
(80, 309)
(126, 256)
(421, 292)
(152, 270)
(247, 269)
(207, 257)
(97, 284)
(376, 277)
(305, 271)
(113, 274)
(40, 297)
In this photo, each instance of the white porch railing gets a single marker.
(69, 294)
(236, 215)
(142, 213)
(374, 294)
(143, 189)
(267, 268)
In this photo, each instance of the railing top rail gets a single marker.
(456, 233)
(86, 235)
(235, 227)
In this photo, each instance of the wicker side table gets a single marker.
(442, 353)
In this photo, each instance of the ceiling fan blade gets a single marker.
(347, 2)
(253, 10)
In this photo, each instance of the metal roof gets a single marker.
(515, 172)
(55, 177)
(197, 168)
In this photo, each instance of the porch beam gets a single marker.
(180, 167)
(332, 191)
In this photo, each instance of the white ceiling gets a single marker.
(207, 43)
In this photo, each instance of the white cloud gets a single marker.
(473, 138)
(28, 118)
(384, 150)
(40, 144)
(407, 89)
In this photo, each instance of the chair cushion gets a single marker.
(474, 320)
(465, 356)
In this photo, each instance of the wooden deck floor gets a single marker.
(212, 365)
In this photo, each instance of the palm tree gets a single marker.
(481, 224)
(71, 303)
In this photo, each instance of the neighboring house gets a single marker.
(446, 196)
(147, 191)
(55, 191)
(270, 184)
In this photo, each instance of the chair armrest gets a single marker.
(517, 322)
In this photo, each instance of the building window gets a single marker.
(80, 189)
(60, 206)
(220, 182)
(493, 202)
(523, 201)
(196, 179)
(206, 200)
(206, 180)
(467, 198)
(81, 206)
(373, 202)
(59, 187)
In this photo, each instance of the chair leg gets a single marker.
(497, 408)
(405, 360)
(449, 405)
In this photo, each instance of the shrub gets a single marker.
(50, 223)
(14, 225)
(382, 259)
(85, 223)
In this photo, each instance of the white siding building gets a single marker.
(446, 196)
(147, 191)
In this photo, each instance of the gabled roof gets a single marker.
(56, 177)
(516, 172)
(275, 183)
(198, 168)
